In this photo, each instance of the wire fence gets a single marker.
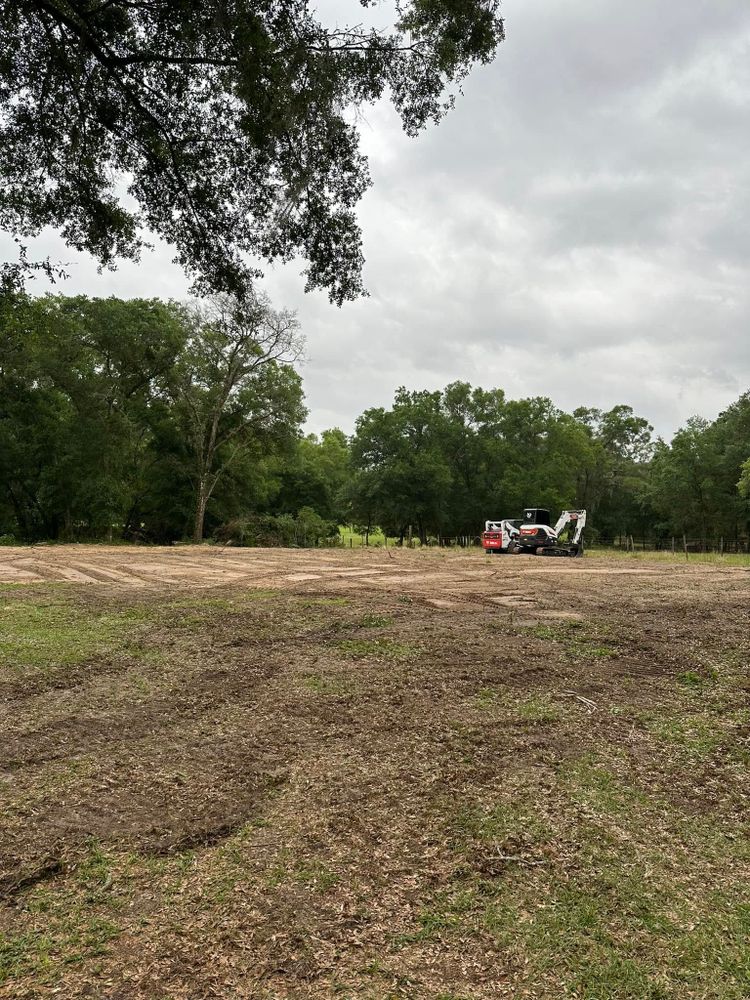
(676, 544)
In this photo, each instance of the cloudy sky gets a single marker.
(579, 227)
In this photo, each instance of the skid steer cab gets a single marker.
(500, 536)
(533, 535)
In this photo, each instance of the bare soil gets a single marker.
(369, 773)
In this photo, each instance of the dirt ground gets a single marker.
(373, 774)
(465, 574)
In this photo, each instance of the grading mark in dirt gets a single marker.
(425, 573)
(514, 601)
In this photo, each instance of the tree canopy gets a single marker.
(225, 128)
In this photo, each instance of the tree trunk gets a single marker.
(201, 502)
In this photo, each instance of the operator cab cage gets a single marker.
(536, 515)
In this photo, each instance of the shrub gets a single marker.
(308, 529)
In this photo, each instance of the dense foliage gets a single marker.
(231, 126)
(158, 421)
(129, 418)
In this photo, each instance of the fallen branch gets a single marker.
(591, 706)
(518, 858)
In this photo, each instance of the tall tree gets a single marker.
(402, 464)
(234, 387)
(228, 123)
(612, 470)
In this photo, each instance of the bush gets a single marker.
(307, 530)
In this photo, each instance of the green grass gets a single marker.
(696, 735)
(314, 602)
(580, 640)
(311, 873)
(538, 709)
(40, 634)
(45, 953)
(66, 927)
(594, 889)
(590, 782)
(328, 684)
(517, 820)
(730, 559)
(379, 649)
(372, 620)
(353, 539)
(487, 697)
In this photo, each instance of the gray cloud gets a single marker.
(577, 228)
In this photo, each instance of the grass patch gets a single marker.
(260, 594)
(209, 603)
(64, 926)
(578, 639)
(309, 872)
(599, 900)
(589, 782)
(38, 636)
(713, 558)
(328, 684)
(331, 602)
(372, 620)
(517, 821)
(487, 698)
(354, 539)
(696, 735)
(539, 709)
(377, 649)
(45, 953)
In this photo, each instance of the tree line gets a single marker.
(155, 421)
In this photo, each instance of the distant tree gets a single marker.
(403, 476)
(684, 481)
(613, 470)
(316, 476)
(472, 444)
(234, 387)
(228, 124)
(695, 483)
(743, 485)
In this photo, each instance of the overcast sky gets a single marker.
(579, 226)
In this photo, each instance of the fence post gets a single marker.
(672, 544)
(684, 542)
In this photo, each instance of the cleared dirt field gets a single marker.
(372, 774)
